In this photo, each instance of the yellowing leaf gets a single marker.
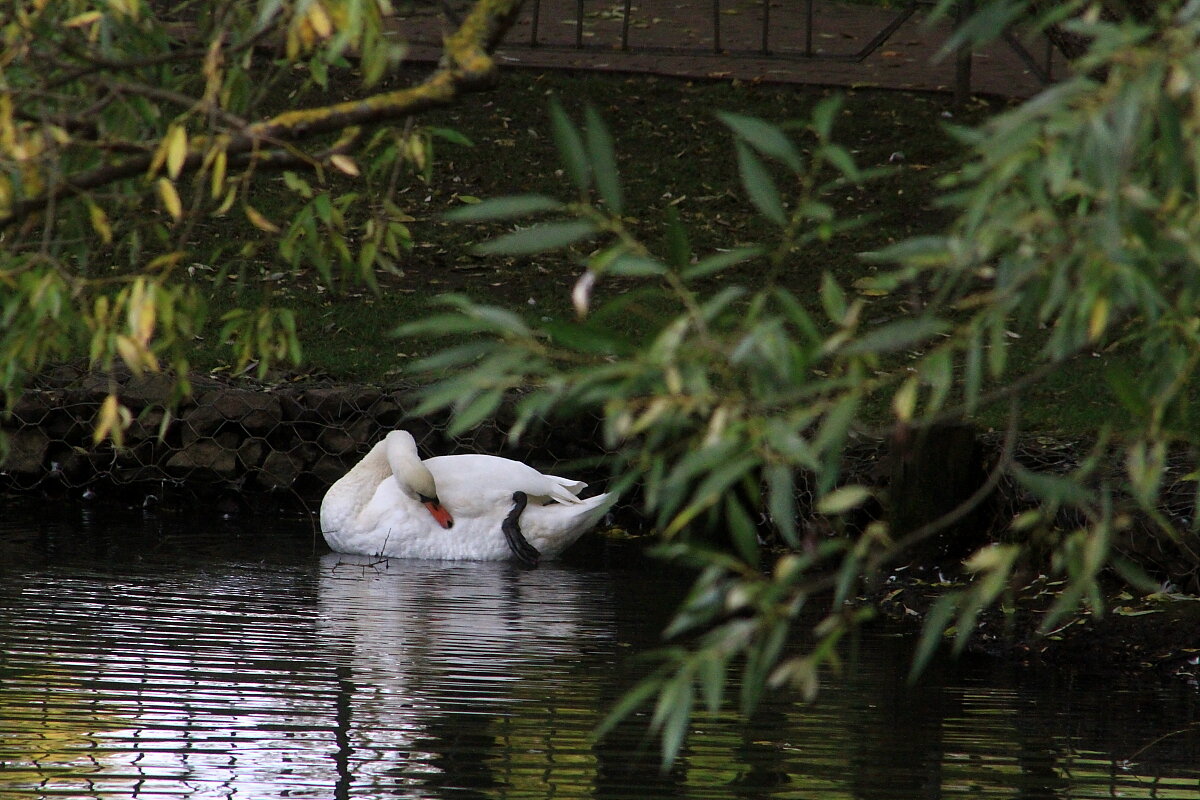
(843, 499)
(344, 163)
(991, 558)
(322, 26)
(220, 162)
(1098, 320)
(128, 350)
(415, 150)
(111, 421)
(259, 221)
(100, 222)
(176, 144)
(83, 20)
(165, 261)
(227, 202)
(169, 198)
(59, 134)
(142, 313)
(904, 402)
(125, 8)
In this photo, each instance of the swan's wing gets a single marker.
(555, 527)
(472, 480)
(564, 490)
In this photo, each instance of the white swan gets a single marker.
(473, 507)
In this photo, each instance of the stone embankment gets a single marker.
(249, 443)
(293, 439)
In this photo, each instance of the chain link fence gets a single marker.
(237, 436)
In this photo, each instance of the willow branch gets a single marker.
(167, 96)
(94, 62)
(466, 66)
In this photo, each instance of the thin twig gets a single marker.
(177, 98)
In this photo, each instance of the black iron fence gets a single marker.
(777, 30)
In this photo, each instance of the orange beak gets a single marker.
(439, 512)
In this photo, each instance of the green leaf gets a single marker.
(972, 372)
(501, 320)
(570, 148)
(761, 658)
(499, 208)
(1129, 390)
(324, 208)
(711, 676)
(833, 299)
(451, 135)
(632, 265)
(997, 351)
(449, 358)
(630, 702)
(938, 372)
(798, 315)
(760, 186)
(1053, 488)
(593, 339)
(297, 184)
(765, 138)
(932, 631)
(840, 158)
(538, 238)
(475, 410)
(823, 116)
(898, 335)
(679, 250)
(723, 475)
(930, 251)
(829, 439)
(604, 160)
(849, 576)
(781, 501)
(672, 714)
(741, 529)
(723, 260)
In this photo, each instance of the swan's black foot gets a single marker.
(525, 553)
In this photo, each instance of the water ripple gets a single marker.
(338, 677)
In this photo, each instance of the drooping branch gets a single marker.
(466, 66)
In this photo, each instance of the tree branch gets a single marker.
(166, 95)
(466, 66)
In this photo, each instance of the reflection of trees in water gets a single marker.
(434, 680)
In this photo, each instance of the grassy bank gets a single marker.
(672, 153)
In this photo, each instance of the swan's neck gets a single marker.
(357, 487)
(411, 475)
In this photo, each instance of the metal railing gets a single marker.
(718, 41)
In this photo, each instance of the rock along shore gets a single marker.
(229, 435)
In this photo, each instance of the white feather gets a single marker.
(376, 508)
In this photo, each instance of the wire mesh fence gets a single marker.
(234, 436)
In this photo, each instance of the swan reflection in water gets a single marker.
(437, 659)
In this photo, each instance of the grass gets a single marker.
(672, 151)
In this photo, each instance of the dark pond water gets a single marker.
(153, 656)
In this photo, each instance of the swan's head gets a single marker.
(413, 477)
